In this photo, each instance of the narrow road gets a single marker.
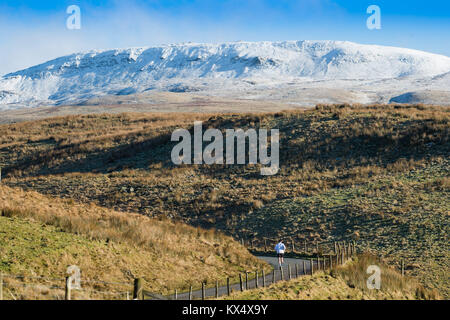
(210, 292)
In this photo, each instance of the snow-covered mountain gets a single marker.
(231, 68)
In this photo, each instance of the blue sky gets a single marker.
(34, 31)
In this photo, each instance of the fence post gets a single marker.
(68, 288)
(241, 284)
(175, 296)
(265, 245)
(256, 279)
(273, 276)
(264, 278)
(203, 291)
(246, 280)
(138, 292)
(304, 267)
(190, 292)
(296, 270)
(403, 268)
(331, 262)
(281, 274)
(1, 286)
(344, 247)
(318, 262)
(217, 289)
(311, 265)
(289, 272)
(228, 286)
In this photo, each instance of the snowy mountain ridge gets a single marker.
(215, 67)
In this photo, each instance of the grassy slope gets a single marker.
(377, 174)
(346, 282)
(40, 236)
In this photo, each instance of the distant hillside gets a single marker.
(376, 174)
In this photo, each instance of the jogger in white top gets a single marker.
(279, 248)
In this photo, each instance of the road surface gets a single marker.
(210, 290)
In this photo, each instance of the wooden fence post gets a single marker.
(228, 286)
(67, 292)
(311, 265)
(403, 268)
(273, 276)
(1, 286)
(304, 267)
(281, 271)
(241, 284)
(138, 289)
(217, 289)
(246, 280)
(289, 272)
(203, 291)
(264, 278)
(296, 270)
(175, 296)
(331, 262)
(256, 279)
(190, 292)
(318, 263)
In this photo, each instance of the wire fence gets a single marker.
(308, 258)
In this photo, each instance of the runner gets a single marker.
(279, 248)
